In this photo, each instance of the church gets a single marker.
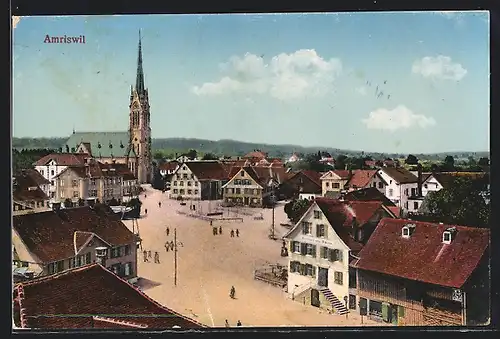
(132, 147)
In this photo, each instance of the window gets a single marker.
(61, 182)
(72, 263)
(93, 193)
(338, 278)
(181, 183)
(116, 269)
(79, 261)
(311, 250)
(196, 183)
(175, 183)
(190, 183)
(320, 231)
(296, 247)
(184, 176)
(406, 204)
(51, 269)
(317, 214)
(74, 183)
(52, 172)
(128, 269)
(391, 192)
(336, 255)
(446, 237)
(88, 258)
(76, 194)
(255, 191)
(380, 184)
(93, 181)
(323, 252)
(52, 183)
(242, 173)
(114, 252)
(294, 266)
(327, 184)
(413, 192)
(310, 270)
(306, 227)
(181, 191)
(425, 185)
(238, 191)
(127, 249)
(406, 191)
(62, 194)
(336, 185)
(175, 190)
(190, 192)
(195, 191)
(24, 264)
(375, 184)
(415, 205)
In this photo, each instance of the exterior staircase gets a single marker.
(337, 305)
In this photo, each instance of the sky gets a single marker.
(377, 82)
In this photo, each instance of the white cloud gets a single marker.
(361, 90)
(285, 76)
(440, 67)
(400, 117)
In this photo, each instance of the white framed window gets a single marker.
(296, 247)
(317, 214)
(311, 250)
(338, 278)
(321, 230)
(391, 192)
(306, 227)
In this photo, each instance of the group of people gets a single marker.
(218, 230)
(147, 256)
(237, 324)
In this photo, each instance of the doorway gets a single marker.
(247, 201)
(322, 277)
(315, 298)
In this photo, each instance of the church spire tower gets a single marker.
(140, 156)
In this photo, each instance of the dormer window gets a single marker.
(408, 230)
(242, 173)
(448, 235)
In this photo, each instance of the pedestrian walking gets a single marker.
(237, 232)
(172, 245)
(238, 323)
(220, 229)
(232, 233)
(157, 257)
(210, 222)
(145, 195)
(232, 293)
(227, 324)
(159, 204)
(145, 256)
(168, 231)
(167, 246)
(149, 254)
(146, 211)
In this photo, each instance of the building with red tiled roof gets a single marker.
(365, 179)
(433, 274)
(255, 155)
(401, 184)
(334, 181)
(198, 180)
(91, 297)
(27, 194)
(52, 241)
(301, 184)
(168, 168)
(323, 243)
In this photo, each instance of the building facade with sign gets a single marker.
(321, 246)
(420, 274)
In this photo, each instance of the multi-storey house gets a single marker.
(333, 182)
(401, 185)
(321, 246)
(53, 241)
(27, 196)
(364, 179)
(53, 164)
(305, 184)
(421, 274)
(253, 186)
(198, 180)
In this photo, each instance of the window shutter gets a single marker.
(292, 246)
(340, 257)
(401, 311)
(313, 271)
(302, 269)
(385, 312)
(322, 252)
(325, 231)
(314, 251)
(303, 249)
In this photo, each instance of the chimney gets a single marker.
(101, 254)
(419, 181)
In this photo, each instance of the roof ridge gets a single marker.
(119, 322)
(46, 278)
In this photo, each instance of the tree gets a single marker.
(411, 160)
(158, 155)
(465, 202)
(483, 162)
(296, 208)
(192, 154)
(209, 156)
(340, 162)
(449, 163)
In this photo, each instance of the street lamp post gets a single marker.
(175, 256)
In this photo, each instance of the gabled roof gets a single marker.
(446, 178)
(206, 170)
(368, 194)
(96, 169)
(100, 143)
(35, 176)
(26, 189)
(341, 216)
(313, 176)
(102, 300)
(50, 235)
(63, 159)
(256, 155)
(168, 166)
(361, 178)
(400, 175)
(423, 257)
(342, 174)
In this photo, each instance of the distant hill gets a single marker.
(239, 148)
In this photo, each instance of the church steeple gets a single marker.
(139, 82)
